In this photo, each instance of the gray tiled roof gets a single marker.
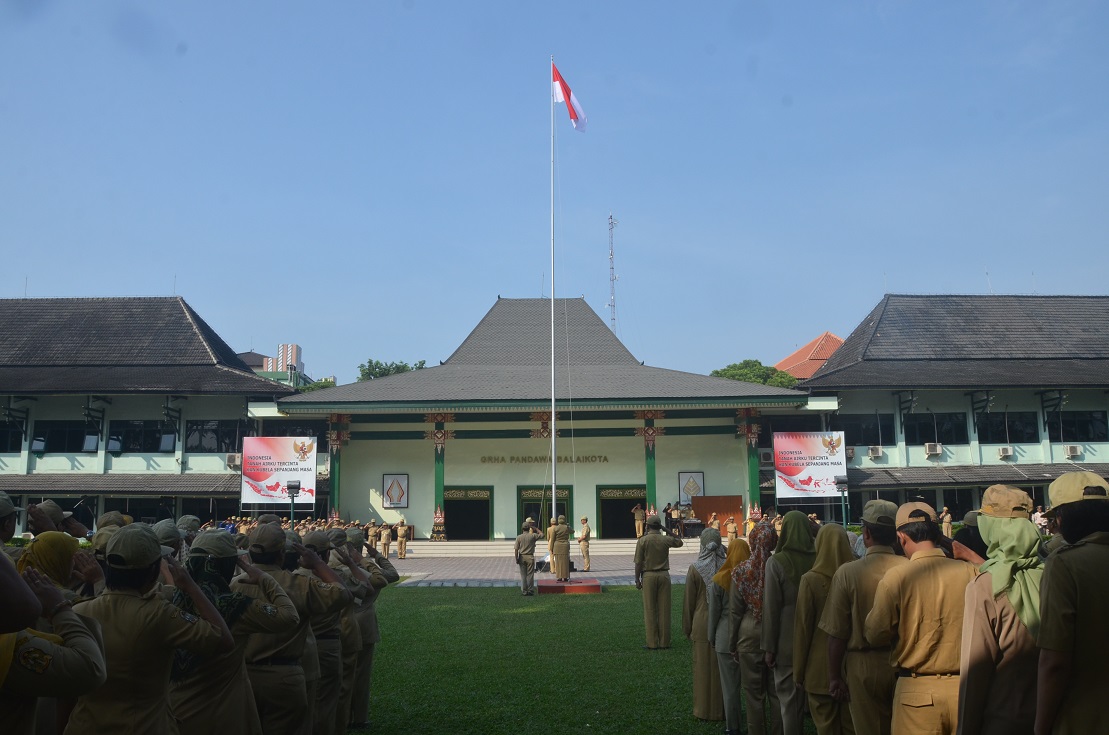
(118, 345)
(974, 341)
(507, 357)
(874, 478)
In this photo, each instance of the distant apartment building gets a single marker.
(288, 357)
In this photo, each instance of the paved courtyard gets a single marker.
(501, 571)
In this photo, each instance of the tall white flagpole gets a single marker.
(554, 432)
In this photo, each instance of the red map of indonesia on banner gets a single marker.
(806, 464)
(270, 462)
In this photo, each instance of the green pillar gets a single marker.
(649, 449)
(440, 469)
(753, 475)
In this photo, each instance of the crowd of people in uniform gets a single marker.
(900, 629)
(252, 626)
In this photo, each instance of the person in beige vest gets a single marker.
(583, 542)
(920, 604)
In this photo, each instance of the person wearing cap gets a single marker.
(402, 538)
(381, 572)
(921, 604)
(559, 547)
(111, 518)
(639, 515)
(373, 533)
(793, 557)
(1074, 607)
(524, 551)
(326, 629)
(1001, 616)
(273, 660)
(350, 633)
(141, 633)
(945, 521)
(216, 688)
(583, 542)
(810, 642)
(9, 516)
(969, 535)
(191, 526)
(49, 516)
(858, 672)
(169, 534)
(39, 669)
(652, 578)
(386, 536)
(731, 529)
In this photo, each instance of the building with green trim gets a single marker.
(472, 435)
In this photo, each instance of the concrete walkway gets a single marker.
(501, 571)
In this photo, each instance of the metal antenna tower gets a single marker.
(612, 222)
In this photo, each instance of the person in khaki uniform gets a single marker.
(708, 697)
(524, 551)
(583, 542)
(793, 557)
(386, 537)
(381, 572)
(373, 534)
(65, 664)
(640, 517)
(859, 673)
(141, 634)
(921, 604)
(745, 615)
(273, 660)
(652, 577)
(718, 627)
(559, 547)
(946, 519)
(402, 538)
(206, 689)
(350, 632)
(997, 671)
(731, 529)
(810, 643)
(1074, 608)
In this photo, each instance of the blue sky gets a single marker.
(364, 178)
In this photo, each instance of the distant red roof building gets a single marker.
(807, 360)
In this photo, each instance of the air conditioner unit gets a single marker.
(1072, 450)
(933, 449)
(766, 458)
(874, 451)
(850, 452)
(234, 461)
(1004, 452)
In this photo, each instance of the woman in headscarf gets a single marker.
(745, 615)
(708, 703)
(1001, 619)
(51, 553)
(792, 558)
(719, 592)
(810, 643)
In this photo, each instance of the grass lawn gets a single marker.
(487, 660)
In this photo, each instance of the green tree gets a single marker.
(753, 371)
(372, 369)
(318, 385)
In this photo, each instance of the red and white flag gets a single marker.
(562, 93)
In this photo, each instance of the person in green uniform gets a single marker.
(1074, 608)
(652, 577)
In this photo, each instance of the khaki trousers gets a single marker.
(584, 546)
(527, 573)
(829, 716)
(639, 528)
(729, 688)
(791, 698)
(385, 549)
(330, 653)
(757, 688)
(280, 694)
(656, 608)
(926, 704)
(360, 702)
(402, 547)
(560, 565)
(870, 680)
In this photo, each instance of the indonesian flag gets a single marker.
(562, 93)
